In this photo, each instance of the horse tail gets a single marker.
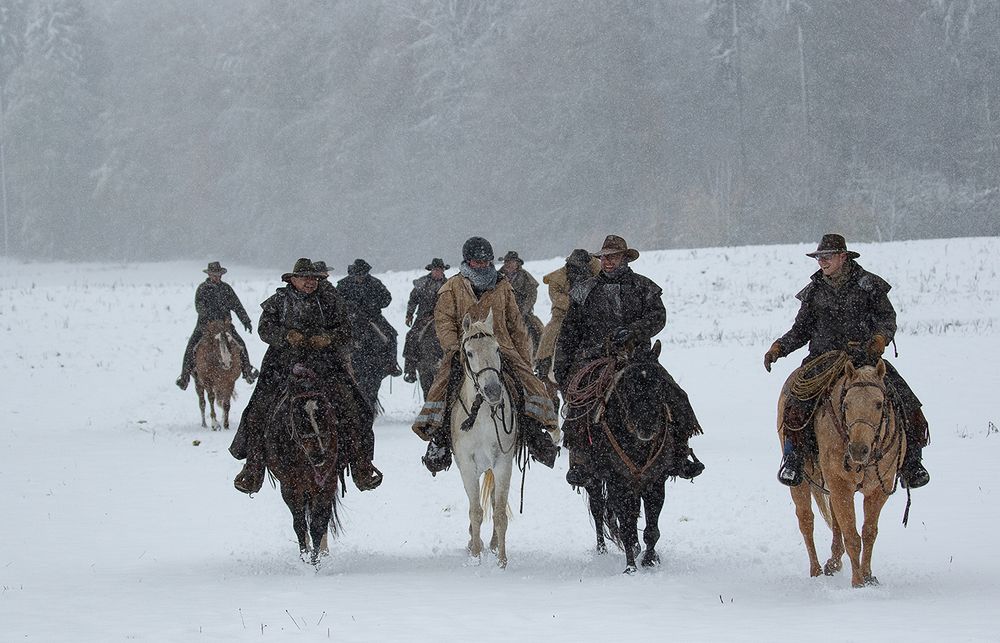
(823, 504)
(486, 493)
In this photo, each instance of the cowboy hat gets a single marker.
(512, 256)
(613, 245)
(215, 268)
(303, 268)
(832, 244)
(437, 262)
(359, 267)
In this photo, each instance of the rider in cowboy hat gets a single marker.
(215, 300)
(624, 309)
(846, 308)
(366, 296)
(420, 312)
(525, 292)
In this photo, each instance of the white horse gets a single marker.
(484, 436)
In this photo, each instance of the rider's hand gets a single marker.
(319, 341)
(409, 320)
(620, 336)
(771, 356)
(295, 338)
(876, 346)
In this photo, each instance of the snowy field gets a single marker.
(115, 525)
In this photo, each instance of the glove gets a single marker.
(542, 367)
(295, 338)
(621, 336)
(248, 327)
(771, 356)
(876, 346)
(409, 320)
(319, 341)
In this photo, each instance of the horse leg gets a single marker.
(869, 531)
(842, 503)
(501, 490)
(802, 497)
(470, 480)
(596, 500)
(297, 505)
(211, 405)
(836, 563)
(200, 390)
(321, 510)
(227, 401)
(652, 502)
(627, 510)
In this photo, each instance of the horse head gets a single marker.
(481, 356)
(864, 409)
(644, 407)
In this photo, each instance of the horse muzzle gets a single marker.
(859, 452)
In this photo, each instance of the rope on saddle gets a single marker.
(815, 378)
(588, 385)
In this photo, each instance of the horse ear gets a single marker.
(880, 369)
(849, 371)
(466, 322)
(489, 319)
(656, 349)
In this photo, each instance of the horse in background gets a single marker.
(861, 449)
(217, 365)
(302, 453)
(427, 354)
(371, 357)
(629, 425)
(484, 434)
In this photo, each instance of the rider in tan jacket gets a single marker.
(477, 290)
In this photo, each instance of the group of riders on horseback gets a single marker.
(600, 307)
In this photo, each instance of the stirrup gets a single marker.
(689, 469)
(249, 480)
(251, 376)
(409, 377)
(366, 478)
(790, 472)
(437, 458)
(182, 382)
(578, 476)
(914, 476)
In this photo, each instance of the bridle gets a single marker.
(882, 442)
(497, 411)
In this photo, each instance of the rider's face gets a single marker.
(609, 263)
(307, 285)
(477, 264)
(831, 264)
(437, 273)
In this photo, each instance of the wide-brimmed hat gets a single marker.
(359, 267)
(303, 268)
(437, 262)
(320, 268)
(512, 256)
(613, 244)
(832, 244)
(215, 268)
(579, 257)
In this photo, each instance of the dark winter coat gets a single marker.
(214, 301)
(366, 297)
(319, 313)
(843, 318)
(525, 290)
(598, 307)
(423, 297)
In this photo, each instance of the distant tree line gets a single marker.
(259, 130)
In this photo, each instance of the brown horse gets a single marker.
(302, 445)
(217, 365)
(861, 449)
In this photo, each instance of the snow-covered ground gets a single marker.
(118, 519)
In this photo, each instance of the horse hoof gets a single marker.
(832, 567)
(602, 549)
(871, 581)
(651, 560)
(630, 569)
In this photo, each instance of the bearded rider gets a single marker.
(618, 307)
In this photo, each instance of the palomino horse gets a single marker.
(217, 365)
(861, 449)
(484, 443)
(302, 454)
(628, 423)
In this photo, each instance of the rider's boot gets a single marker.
(250, 374)
(409, 372)
(365, 475)
(913, 474)
(683, 463)
(790, 472)
(540, 441)
(580, 473)
(394, 369)
(183, 380)
(438, 456)
(251, 478)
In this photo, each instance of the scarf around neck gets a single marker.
(482, 279)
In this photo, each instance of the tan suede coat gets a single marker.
(455, 299)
